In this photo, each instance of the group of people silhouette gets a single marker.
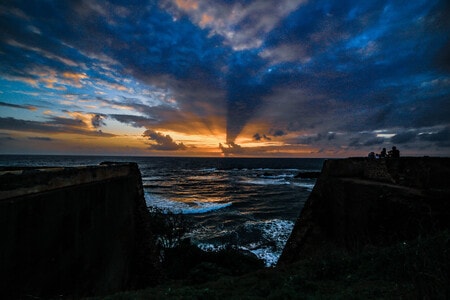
(393, 153)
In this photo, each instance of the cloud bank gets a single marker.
(291, 78)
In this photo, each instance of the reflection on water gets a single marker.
(249, 203)
(253, 209)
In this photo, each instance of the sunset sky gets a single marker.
(224, 78)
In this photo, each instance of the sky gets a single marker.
(284, 78)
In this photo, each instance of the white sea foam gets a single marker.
(270, 169)
(182, 207)
(264, 181)
(280, 176)
(266, 253)
(306, 185)
(152, 178)
(202, 208)
(275, 234)
(275, 230)
(210, 247)
(208, 170)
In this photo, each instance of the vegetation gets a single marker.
(168, 229)
(408, 270)
(181, 260)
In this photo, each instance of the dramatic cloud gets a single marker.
(232, 149)
(53, 125)
(259, 137)
(29, 107)
(135, 121)
(441, 138)
(285, 78)
(404, 137)
(40, 138)
(162, 142)
(242, 24)
(97, 120)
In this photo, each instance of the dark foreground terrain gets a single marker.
(418, 269)
(370, 229)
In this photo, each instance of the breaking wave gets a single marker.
(265, 181)
(265, 239)
(182, 207)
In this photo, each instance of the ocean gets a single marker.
(247, 203)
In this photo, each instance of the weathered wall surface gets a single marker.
(72, 231)
(357, 202)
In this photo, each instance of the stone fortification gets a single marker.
(73, 231)
(358, 202)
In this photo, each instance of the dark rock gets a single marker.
(308, 175)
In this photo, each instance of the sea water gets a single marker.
(247, 203)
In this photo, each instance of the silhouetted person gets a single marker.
(394, 153)
(371, 155)
(383, 153)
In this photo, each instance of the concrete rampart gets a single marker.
(358, 202)
(72, 231)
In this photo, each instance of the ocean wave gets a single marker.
(181, 207)
(306, 185)
(152, 178)
(204, 178)
(274, 169)
(280, 176)
(265, 181)
(266, 254)
(211, 247)
(275, 230)
(274, 235)
(208, 170)
(205, 207)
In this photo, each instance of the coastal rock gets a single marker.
(307, 175)
(358, 202)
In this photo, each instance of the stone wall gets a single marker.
(358, 202)
(73, 231)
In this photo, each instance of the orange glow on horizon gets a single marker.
(137, 145)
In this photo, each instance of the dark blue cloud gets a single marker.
(54, 125)
(261, 137)
(29, 107)
(278, 132)
(145, 40)
(404, 137)
(40, 138)
(162, 46)
(246, 86)
(162, 142)
(372, 56)
(135, 121)
(324, 66)
(441, 137)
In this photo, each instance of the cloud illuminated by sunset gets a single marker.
(225, 78)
